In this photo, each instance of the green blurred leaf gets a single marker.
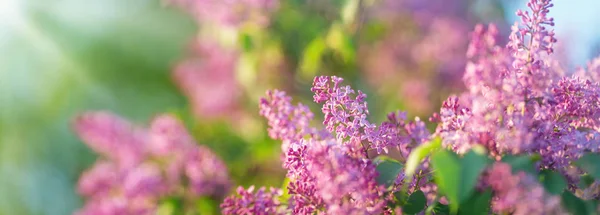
(418, 154)
(585, 181)
(311, 60)
(447, 171)
(415, 204)
(472, 164)
(591, 164)
(520, 163)
(339, 41)
(441, 209)
(477, 204)
(573, 204)
(554, 182)
(388, 170)
(456, 177)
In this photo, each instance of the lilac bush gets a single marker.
(522, 134)
(140, 167)
(521, 139)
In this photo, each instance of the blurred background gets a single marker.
(209, 62)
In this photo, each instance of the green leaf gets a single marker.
(591, 164)
(586, 181)
(339, 41)
(418, 154)
(457, 177)
(520, 163)
(311, 60)
(441, 209)
(573, 204)
(478, 203)
(554, 182)
(415, 204)
(388, 170)
(447, 175)
(472, 164)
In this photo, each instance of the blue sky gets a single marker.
(577, 23)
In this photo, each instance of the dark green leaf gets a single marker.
(520, 163)
(388, 170)
(586, 181)
(554, 182)
(415, 204)
(457, 177)
(447, 175)
(573, 204)
(418, 154)
(472, 164)
(441, 209)
(591, 164)
(478, 203)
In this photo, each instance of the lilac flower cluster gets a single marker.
(139, 167)
(207, 78)
(519, 193)
(516, 103)
(329, 170)
(516, 100)
(246, 202)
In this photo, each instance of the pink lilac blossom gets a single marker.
(516, 104)
(251, 201)
(346, 115)
(519, 193)
(329, 170)
(165, 155)
(207, 78)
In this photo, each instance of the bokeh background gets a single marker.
(139, 58)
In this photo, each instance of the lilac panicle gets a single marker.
(346, 115)
(519, 193)
(527, 42)
(251, 201)
(207, 78)
(162, 156)
(346, 184)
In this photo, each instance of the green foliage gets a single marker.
(574, 205)
(456, 177)
(554, 182)
(591, 164)
(478, 203)
(418, 154)
(521, 163)
(388, 170)
(415, 204)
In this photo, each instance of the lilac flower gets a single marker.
(346, 184)
(528, 42)
(247, 202)
(112, 137)
(346, 117)
(207, 78)
(519, 193)
(286, 122)
(164, 155)
(206, 173)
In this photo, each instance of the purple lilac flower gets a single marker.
(164, 155)
(250, 202)
(519, 193)
(346, 114)
(207, 78)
